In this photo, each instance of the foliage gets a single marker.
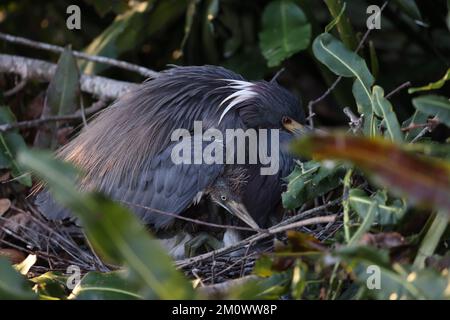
(390, 176)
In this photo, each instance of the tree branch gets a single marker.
(50, 47)
(37, 122)
(36, 69)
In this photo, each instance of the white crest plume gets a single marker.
(244, 92)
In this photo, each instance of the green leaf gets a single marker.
(423, 179)
(63, 93)
(434, 105)
(343, 62)
(365, 225)
(364, 254)
(432, 85)
(395, 282)
(383, 108)
(62, 98)
(10, 144)
(336, 20)
(285, 31)
(12, 284)
(385, 214)
(106, 286)
(113, 231)
(310, 180)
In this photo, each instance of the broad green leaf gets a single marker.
(10, 144)
(386, 214)
(62, 98)
(395, 282)
(106, 286)
(422, 179)
(13, 285)
(383, 108)
(310, 180)
(365, 225)
(434, 105)
(113, 231)
(285, 31)
(63, 93)
(417, 118)
(365, 254)
(432, 85)
(343, 62)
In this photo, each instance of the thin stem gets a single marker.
(431, 239)
(345, 204)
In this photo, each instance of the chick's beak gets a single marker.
(238, 209)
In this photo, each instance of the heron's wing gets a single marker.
(263, 192)
(162, 186)
(167, 187)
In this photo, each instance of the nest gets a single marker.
(59, 245)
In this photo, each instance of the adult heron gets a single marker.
(126, 150)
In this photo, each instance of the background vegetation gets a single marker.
(384, 178)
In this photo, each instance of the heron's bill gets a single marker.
(295, 127)
(239, 210)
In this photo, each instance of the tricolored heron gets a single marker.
(125, 151)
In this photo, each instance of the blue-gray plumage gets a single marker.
(125, 151)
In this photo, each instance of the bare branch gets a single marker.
(42, 70)
(50, 47)
(400, 87)
(37, 122)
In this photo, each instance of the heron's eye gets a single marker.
(286, 120)
(224, 198)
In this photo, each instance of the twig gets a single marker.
(50, 47)
(432, 124)
(257, 237)
(37, 122)
(298, 224)
(400, 87)
(355, 122)
(42, 70)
